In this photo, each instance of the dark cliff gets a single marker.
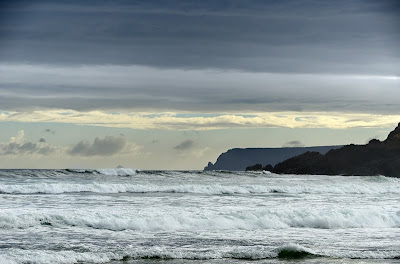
(374, 158)
(238, 159)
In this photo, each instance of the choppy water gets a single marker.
(124, 216)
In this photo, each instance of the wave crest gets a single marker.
(295, 251)
(107, 172)
(287, 252)
(210, 189)
(186, 221)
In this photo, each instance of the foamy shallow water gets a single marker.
(128, 216)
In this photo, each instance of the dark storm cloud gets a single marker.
(293, 144)
(43, 45)
(99, 147)
(185, 145)
(272, 36)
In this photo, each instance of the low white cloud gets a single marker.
(19, 145)
(107, 146)
(175, 121)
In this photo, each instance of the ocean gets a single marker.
(128, 216)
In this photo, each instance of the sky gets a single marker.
(172, 84)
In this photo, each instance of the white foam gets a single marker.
(107, 172)
(189, 221)
(117, 172)
(16, 256)
(56, 188)
(7, 259)
(20, 256)
(210, 189)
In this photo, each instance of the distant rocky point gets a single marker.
(239, 159)
(374, 158)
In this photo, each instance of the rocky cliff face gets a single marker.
(238, 159)
(394, 137)
(374, 158)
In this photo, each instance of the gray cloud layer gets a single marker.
(216, 56)
(358, 36)
(25, 87)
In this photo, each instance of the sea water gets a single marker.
(129, 216)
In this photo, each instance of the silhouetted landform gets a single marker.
(374, 158)
(259, 167)
(238, 159)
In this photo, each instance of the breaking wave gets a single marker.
(294, 251)
(48, 173)
(185, 221)
(285, 252)
(211, 189)
(107, 172)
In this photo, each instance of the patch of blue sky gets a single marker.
(153, 115)
(303, 118)
(247, 116)
(196, 115)
(210, 115)
(65, 113)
